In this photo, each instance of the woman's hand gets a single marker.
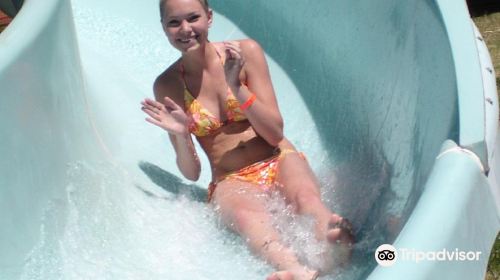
(169, 116)
(233, 64)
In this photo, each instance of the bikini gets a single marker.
(203, 123)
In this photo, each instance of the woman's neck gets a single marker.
(199, 59)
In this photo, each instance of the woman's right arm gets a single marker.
(187, 158)
(168, 115)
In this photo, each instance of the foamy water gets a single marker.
(109, 228)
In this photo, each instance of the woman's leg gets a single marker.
(300, 188)
(242, 208)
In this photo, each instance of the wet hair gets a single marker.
(204, 3)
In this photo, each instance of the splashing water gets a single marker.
(108, 229)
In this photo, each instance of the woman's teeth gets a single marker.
(187, 40)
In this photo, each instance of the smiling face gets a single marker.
(186, 23)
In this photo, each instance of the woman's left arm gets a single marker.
(263, 113)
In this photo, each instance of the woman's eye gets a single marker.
(193, 18)
(173, 23)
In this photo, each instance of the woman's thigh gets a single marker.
(297, 178)
(236, 200)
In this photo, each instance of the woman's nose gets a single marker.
(185, 26)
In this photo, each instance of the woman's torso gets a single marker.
(233, 147)
(234, 144)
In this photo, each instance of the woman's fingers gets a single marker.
(169, 116)
(169, 103)
(233, 47)
(152, 104)
(152, 113)
(234, 53)
(232, 44)
(153, 108)
(153, 121)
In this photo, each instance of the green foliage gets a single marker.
(494, 262)
(489, 26)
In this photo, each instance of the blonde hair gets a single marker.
(204, 3)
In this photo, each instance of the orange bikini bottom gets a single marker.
(262, 173)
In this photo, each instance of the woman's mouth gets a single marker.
(187, 40)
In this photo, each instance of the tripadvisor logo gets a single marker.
(386, 255)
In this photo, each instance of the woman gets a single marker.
(222, 93)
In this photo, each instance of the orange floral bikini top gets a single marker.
(201, 121)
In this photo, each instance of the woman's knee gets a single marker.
(306, 198)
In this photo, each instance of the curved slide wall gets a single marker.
(42, 129)
(378, 82)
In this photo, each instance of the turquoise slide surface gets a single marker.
(394, 103)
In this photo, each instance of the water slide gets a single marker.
(394, 103)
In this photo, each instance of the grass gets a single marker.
(493, 272)
(489, 26)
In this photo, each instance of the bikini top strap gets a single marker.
(183, 74)
(219, 55)
(188, 97)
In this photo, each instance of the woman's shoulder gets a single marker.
(250, 47)
(247, 45)
(250, 43)
(169, 84)
(253, 53)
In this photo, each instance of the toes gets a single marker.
(315, 275)
(339, 236)
(340, 232)
(335, 218)
(280, 275)
(288, 275)
(273, 276)
(341, 225)
(337, 221)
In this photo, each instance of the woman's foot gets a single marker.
(294, 274)
(341, 236)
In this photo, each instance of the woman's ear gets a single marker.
(210, 15)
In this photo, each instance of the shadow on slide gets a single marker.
(171, 183)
